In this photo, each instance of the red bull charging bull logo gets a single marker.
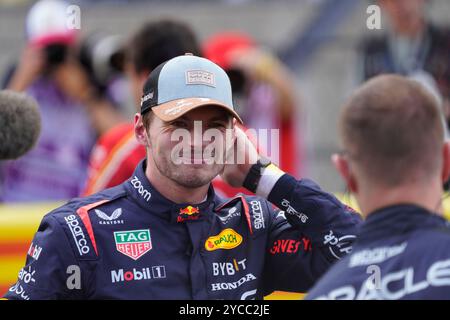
(188, 213)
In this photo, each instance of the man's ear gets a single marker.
(139, 130)
(343, 167)
(446, 162)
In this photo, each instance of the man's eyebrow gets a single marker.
(224, 118)
(220, 118)
(183, 117)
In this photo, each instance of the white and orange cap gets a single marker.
(46, 23)
(184, 83)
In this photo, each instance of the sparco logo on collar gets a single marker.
(258, 218)
(137, 184)
(78, 234)
(227, 239)
(133, 243)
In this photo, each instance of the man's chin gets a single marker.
(196, 176)
(192, 181)
(195, 167)
(196, 163)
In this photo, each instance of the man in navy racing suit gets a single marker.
(395, 162)
(164, 234)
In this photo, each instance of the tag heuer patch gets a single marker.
(133, 243)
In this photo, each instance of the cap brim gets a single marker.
(174, 109)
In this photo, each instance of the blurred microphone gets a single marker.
(20, 124)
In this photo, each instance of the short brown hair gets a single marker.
(158, 41)
(393, 128)
(147, 119)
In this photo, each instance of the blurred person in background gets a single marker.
(263, 90)
(412, 44)
(395, 159)
(102, 57)
(72, 112)
(20, 124)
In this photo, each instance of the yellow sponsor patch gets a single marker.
(227, 239)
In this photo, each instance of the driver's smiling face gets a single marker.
(166, 138)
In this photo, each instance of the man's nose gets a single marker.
(197, 133)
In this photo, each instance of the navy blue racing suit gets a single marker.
(129, 242)
(402, 253)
